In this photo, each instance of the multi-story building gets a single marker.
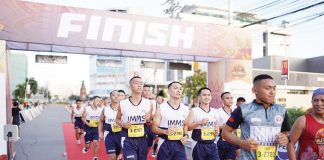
(19, 72)
(107, 74)
(266, 40)
(305, 76)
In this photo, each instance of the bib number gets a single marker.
(208, 134)
(115, 128)
(94, 123)
(136, 130)
(238, 133)
(177, 134)
(266, 153)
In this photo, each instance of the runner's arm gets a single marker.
(148, 116)
(191, 124)
(72, 116)
(118, 117)
(231, 125)
(295, 134)
(84, 114)
(101, 121)
(156, 123)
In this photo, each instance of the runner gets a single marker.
(147, 93)
(108, 124)
(264, 124)
(226, 150)
(308, 130)
(203, 120)
(240, 101)
(90, 118)
(121, 95)
(76, 119)
(170, 123)
(132, 115)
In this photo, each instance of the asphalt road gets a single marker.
(42, 138)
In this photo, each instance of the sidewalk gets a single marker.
(42, 138)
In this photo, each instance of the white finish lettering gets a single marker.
(109, 29)
(155, 30)
(94, 26)
(139, 32)
(66, 25)
(186, 37)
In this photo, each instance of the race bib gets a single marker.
(238, 133)
(94, 123)
(208, 134)
(136, 130)
(266, 153)
(115, 128)
(177, 135)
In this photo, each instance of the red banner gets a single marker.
(284, 68)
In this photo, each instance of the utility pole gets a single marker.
(230, 13)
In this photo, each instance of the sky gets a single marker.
(305, 41)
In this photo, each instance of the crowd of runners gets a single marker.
(130, 126)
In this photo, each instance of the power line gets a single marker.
(267, 2)
(285, 14)
(290, 6)
(266, 5)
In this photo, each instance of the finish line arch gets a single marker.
(51, 28)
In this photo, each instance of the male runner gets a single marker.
(264, 124)
(170, 123)
(121, 95)
(76, 119)
(203, 120)
(147, 93)
(108, 124)
(133, 115)
(226, 150)
(90, 118)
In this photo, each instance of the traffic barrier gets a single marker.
(30, 114)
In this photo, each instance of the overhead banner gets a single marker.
(44, 24)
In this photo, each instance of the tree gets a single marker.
(33, 85)
(294, 113)
(194, 83)
(20, 90)
(73, 97)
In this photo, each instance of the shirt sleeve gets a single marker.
(235, 119)
(285, 124)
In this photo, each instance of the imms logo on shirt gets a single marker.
(136, 119)
(94, 117)
(210, 124)
(175, 122)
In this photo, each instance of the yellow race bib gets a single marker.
(177, 135)
(266, 153)
(94, 123)
(136, 130)
(208, 134)
(115, 128)
(238, 133)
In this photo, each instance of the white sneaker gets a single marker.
(95, 158)
(85, 150)
(78, 141)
